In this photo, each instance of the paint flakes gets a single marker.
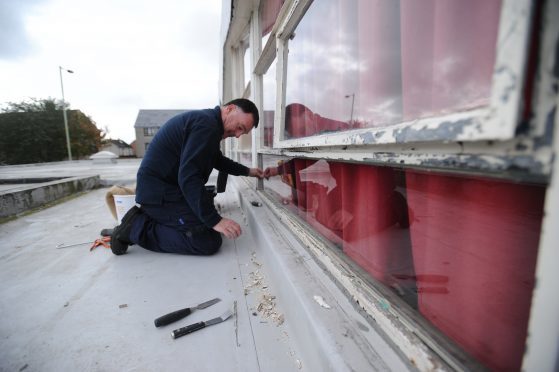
(319, 300)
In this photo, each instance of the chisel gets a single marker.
(179, 314)
(197, 326)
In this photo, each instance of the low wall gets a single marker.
(33, 196)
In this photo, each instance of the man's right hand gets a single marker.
(229, 228)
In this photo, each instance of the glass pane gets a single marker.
(461, 251)
(376, 63)
(246, 158)
(269, 102)
(268, 14)
(247, 69)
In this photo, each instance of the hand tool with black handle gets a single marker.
(179, 314)
(197, 326)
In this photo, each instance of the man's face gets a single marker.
(236, 122)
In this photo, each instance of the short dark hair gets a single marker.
(248, 107)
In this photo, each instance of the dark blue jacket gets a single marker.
(179, 161)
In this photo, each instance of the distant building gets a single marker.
(118, 147)
(133, 145)
(147, 124)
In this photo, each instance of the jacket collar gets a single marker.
(217, 110)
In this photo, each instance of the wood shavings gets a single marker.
(267, 307)
(266, 303)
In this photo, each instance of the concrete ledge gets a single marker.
(33, 196)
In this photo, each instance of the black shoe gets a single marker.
(120, 239)
(107, 232)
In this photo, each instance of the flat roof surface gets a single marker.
(75, 309)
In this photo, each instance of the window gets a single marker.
(268, 14)
(355, 81)
(150, 131)
(146, 145)
(269, 104)
(246, 65)
(382, 63)
(445, 244)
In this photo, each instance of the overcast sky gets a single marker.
(126, 54)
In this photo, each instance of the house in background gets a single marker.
(147, 124)
(118, 147)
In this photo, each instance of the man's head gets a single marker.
(239, 117)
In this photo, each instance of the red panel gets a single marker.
(376, 236)
(482, 236)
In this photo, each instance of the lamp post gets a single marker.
(60, 68)
(352, 95)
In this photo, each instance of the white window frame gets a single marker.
(497, 121)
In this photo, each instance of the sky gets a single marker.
(126, 55)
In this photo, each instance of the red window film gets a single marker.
(483, 235)
(459, 250)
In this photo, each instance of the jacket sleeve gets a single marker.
(195, 160)
(229, 166)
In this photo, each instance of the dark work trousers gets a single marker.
(171, 228)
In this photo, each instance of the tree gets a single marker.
(32, 132)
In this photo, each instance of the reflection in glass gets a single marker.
(247, 64)
(376, 63)
(269, 11)
(245, 158)
(461, 251)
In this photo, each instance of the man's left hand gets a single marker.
(256, 172)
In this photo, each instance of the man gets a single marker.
(177, 214)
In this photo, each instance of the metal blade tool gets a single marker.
(197, 326)
(179, 314)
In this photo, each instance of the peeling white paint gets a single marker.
(319, 300)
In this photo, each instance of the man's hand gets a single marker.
(256, 172)
(270, 172)
(229, 228)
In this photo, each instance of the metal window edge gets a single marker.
(501, 160)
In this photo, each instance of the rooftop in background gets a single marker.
(123, 172)
(155, 118)
(117, 142)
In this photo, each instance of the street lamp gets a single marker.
(352, 95)
(60, 68)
